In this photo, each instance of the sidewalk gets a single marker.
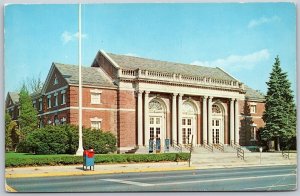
(199, 161)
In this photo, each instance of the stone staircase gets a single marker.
(180, 148)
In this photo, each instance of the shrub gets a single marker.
(48, 140)
(63, 139)
(101, 142)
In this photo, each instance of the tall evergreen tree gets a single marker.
(280, 110)
(28, 119)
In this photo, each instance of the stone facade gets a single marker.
(140, 99)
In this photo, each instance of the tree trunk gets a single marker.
(278, 144)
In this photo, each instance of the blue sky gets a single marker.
(241, 38)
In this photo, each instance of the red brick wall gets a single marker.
(106, 110)
(248, 118)
(127, 131)
(105, 65)
(61, 81)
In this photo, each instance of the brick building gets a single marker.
(139, 99)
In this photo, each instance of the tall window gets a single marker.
(63, 97)
(253, 133)
(55, 100)
(253, 109)
(49, 101)
(40, 104)
(55, 79)
(34, 104)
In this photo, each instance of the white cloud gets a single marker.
(262, 20)
(237, 62)
(68, 37)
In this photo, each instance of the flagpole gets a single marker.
(80, 147)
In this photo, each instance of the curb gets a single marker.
(9, 189)
(83, 173)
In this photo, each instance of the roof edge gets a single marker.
(228, 74)
(110, 59)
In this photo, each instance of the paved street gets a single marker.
(234, 179)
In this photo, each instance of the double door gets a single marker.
(155, 128)
(187, 127)
(216, 129)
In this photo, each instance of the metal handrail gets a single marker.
(176, 145)
(189, 147)
(240, 153)
(220, 147)
(208, 146)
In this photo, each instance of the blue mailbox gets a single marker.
(88, 159)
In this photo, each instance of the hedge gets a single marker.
(42, 160)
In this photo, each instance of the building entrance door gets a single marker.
(186, 130)
(155, 128)
(216, 127)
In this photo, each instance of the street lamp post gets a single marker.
(80, 147)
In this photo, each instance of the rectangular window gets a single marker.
(63, 98)
(40, 105)
(95, 124)
(151, 121)
(253, 109)
(95, 98)
(253, 133)
(55, 100)
(55, 80)
(49, 102)
(157, 121)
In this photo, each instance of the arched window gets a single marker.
(155, 106)
(188, 108)
(216, 109)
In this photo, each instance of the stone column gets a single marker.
(180, 118)
(204, 123)
(140, 118)
(237, 122)
(146, 118)
(210, 141)
(174, 115)
(231, 120)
